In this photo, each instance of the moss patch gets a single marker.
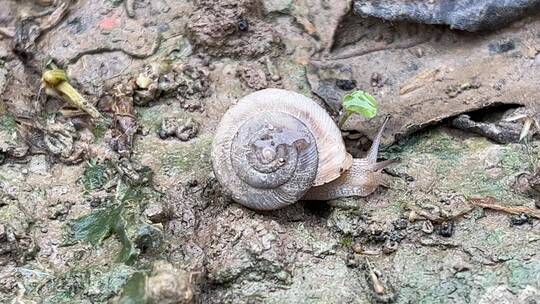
(462, 166)
(95, 176)
(193, 157)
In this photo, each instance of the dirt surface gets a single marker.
(126, 208)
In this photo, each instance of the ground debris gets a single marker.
(124, 123)
(183, 129)
(186, 81)
(506, 129)
(491, 203)
(56, 83)
(382, 289)
(253, 76)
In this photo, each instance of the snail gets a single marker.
(276, 147)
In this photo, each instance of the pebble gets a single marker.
(390, 246)
(446, 229)
(427, 227)
(400, 224)
(376, 79)
(501, 47)
(357, 248)
(419, 52)
(346, 84)
(243, 25)
(520, 219)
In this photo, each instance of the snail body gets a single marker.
(275, 147)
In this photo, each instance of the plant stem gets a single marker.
(344, 119)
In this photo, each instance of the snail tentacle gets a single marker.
(361, 179)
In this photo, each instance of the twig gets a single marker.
(491, 203)
(56, 16)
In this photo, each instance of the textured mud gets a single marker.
(128, 210)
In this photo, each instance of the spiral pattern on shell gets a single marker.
(266, 151)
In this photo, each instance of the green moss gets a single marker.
(523, 275)
(192, 157)
(7, 213)
(151, 117)
(495, 237)
(76, 286)
(100, 224)
(7, 122)
(95, 176)
(435, 142)
(458, 165)
(297, 74)
(515, 159)
(346, 242)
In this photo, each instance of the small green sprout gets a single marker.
(358, 102)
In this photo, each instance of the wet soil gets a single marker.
(127, 209)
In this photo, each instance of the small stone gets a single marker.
(155, 212)
(183, 129)
(400, 224)
(346, 84)
(351, 261)
(376, 79)
(446, 229)
(413, 216)
(390, 246)
(419, 52)
(243, 25)
(167, 284)
(252, 76)
(427, 227)
(187, 129)
(520, 219)
(501, 47)
(357, 248)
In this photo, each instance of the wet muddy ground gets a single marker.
(126, 208)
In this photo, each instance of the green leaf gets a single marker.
(360, 102)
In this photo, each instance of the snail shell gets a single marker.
(273, 146)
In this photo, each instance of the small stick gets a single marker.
(490, 203)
